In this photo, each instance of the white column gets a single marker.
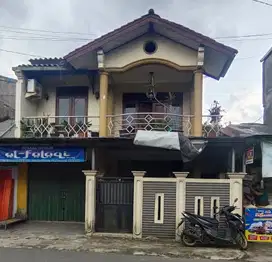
(19, 98)
(236, 190)
(180, 198)
(90, 199)
(138, 203)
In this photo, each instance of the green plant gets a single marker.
(35, 127)
(77, 128)
(160, 125)
(213, 126)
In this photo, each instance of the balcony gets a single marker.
(126, 125)
(60, 126)
(123, 125)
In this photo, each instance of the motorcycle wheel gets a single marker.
(187, 241)
(241, 241)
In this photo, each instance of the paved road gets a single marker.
(39, 255)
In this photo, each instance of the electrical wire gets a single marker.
(66, 36)
(20, 53)
(242, 36)
(258, 119)
(262, 2)
(45, 31)
(40, 35)
(44, 39)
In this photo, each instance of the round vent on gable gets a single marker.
(150, 47)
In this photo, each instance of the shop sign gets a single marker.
(258, 224)
(41, 154)
(249, 156)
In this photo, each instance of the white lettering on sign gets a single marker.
(37, 154)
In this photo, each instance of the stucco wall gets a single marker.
(48, 107)
(166, 49)
(267, 90)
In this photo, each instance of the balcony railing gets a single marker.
(211, 125)
(126, 125)
(60, 126)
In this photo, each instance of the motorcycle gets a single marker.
(206, 230)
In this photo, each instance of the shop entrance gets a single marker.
(56, 192)
(6, 194)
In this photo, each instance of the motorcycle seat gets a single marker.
(208, 219)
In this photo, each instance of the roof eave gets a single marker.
(227, 66)
(268, 53)
(201, 39)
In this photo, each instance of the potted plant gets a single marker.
(80, 129)
(35, 127)
(160, 125)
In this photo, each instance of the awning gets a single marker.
(189, 149)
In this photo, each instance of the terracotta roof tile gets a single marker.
(151, 17)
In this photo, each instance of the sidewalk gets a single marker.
(71, 237)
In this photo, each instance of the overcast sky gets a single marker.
(239, 92)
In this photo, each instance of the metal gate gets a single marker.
(114, 205)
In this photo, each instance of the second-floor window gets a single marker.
(72, 104)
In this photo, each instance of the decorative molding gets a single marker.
(90, 200)
(90, 172)
(203, 181)
(105, 73)
(147, 61)
(19, 73)
(180, 199)
(236, 190)
(239, 175)
(200, 57)
(138, 173)
(100, 59)
(157, 179)
(138, 203)
(181, 174)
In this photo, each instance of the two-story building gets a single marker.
(87, 107)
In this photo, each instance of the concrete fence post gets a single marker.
(90, 200)
(236, 190)
(180, 199)
(138, 203)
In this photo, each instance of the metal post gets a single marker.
(93, 159)
(233, 160)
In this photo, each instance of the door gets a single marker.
(145, 120)
(6, 194)
(56, 192)
(72, 101)
(114, 205)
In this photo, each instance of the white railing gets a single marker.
(60, 126)
(123, 125)
(211, 125)
(128, 124)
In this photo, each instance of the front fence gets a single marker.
(114, 205)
